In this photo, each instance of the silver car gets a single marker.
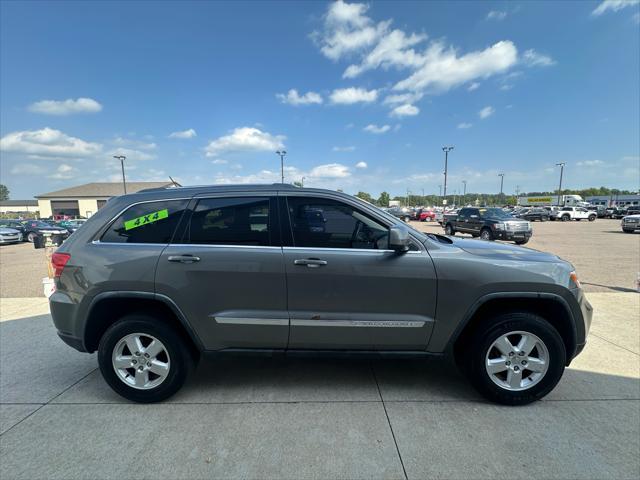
(10, 235)
(157, 279)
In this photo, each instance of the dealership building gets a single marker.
(614, 200)
(85, 200)
(19, 206)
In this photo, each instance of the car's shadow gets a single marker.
(59, 374)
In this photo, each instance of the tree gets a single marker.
(4, 192)
(365, 196)
(298, 184)
(383, 200)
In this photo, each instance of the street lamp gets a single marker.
(122, 158)
(464, 183)
(446, 151)
(302, 181)
(501, 175)
(561, 165)
(282, 153)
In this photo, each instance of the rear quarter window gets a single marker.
(151, 222)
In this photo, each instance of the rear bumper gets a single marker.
(64, 312)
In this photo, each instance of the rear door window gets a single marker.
(150, 222)
(230, 221)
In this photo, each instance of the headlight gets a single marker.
(573, 278)
(498, 226)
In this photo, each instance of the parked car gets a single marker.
(15, 225)
(427, 216)
(10, 235)
(448, 215)
(630, 223)
(158, 278)
(70, 225)
(38, 227)
(533, 214)
(403, 213)
(489, 224)
(566, 214)
(600, 210)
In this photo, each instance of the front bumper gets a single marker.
(511, 235)
(631, 226)
(10, 238)
(583, 316)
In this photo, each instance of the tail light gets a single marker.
(58, 262)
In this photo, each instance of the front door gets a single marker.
(346, 289)
(226, 273)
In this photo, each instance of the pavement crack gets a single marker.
(393, 435)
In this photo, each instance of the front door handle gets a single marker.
(183, 258)
(310, 262)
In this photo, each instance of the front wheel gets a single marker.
(517, 359)
(592, 218)
(566, 218)
(486, 234)
(31, 237)
(143, 359)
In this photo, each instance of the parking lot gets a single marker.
(278, 417)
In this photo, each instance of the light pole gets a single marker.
(302, 182)
(501, 175)
(446, 151)
(464, 184)
(561, 165)
(122, 158)
(282, 153)
(440, 191)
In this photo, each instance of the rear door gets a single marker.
(225, 272)
(346, 289)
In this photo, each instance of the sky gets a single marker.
(362, 96)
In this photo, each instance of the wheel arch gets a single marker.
(108, 307)
(549, 306)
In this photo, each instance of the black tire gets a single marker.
(592, 218)
(406, 219)
(486, 234)
(565, 218)
(448, 229)
(31, 237)
(179, 367)
(522, 242)
(516, 321)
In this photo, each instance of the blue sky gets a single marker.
(361, 95)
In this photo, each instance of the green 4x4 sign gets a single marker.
(146, 219)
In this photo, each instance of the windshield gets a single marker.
(40, 225)
(494, 213)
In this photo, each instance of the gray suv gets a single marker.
(158, 278)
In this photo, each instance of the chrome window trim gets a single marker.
(367, 250)
(358, 323)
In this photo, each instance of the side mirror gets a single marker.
(398, 239)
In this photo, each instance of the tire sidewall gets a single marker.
(489, 235)
(516, 322)
(178, 354)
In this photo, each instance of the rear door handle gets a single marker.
(310, 262)
(183, 258)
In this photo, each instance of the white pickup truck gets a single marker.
(573, 213)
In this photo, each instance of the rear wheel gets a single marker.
(143, 359)
(565, 218)
(486, 234)
(448, 229)
(592, 218)
(517, 359)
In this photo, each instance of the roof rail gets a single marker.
(287, 186)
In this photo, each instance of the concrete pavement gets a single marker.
(255, 417)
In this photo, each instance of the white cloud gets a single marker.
(330, 170)
(486, 112)
(292, 97)
(351, 95)
(349, 148)
(506, 87)
(64, 172)
(464, 125)
(137, 144)
(406, 110)
(443, 69)
(473, 86)
(590, 163)
(613, 6)
(66, 107)
(371, 128)
(27, 169)
(245, 139)
(347, 30)
(48, 142)
(496, 15)
(219, 161)
(190, 133)
(534, 59)
(392, 50)
(402, 98)
(361, 165)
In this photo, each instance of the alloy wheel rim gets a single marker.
(517, 361)
(141, 361)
